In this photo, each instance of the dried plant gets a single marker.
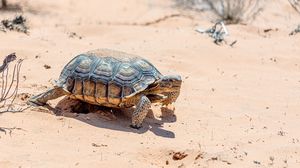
(235, 11)
(228, 11)
(18, 24)
(215, 33)
(9, 84)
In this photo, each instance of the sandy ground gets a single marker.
(239, 106)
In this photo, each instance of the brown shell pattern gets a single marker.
(107, 77)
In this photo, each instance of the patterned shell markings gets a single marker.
(107, 77)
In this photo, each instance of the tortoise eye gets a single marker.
(171, 80)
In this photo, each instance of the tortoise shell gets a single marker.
(107, 77)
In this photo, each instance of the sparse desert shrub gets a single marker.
(235, 11)
(18, 24)
(228, 11)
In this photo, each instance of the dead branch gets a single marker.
(9, 90)
(214, 33)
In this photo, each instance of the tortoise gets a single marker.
(113, 79)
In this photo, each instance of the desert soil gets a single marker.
(239, 106)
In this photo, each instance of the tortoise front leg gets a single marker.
(42, 98)
(172, 96)
(140, 111)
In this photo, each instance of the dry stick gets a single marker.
(12, 81)
(6, 80)
(233, 43)
(2, 84)
(223, 25)
(3, 90)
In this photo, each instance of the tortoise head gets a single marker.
(170, 83)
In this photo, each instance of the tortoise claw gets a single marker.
(136, 127)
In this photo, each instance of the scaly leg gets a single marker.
(172, 96)
(140, 111)
(42, 98)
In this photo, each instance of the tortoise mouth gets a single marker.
(155, 98)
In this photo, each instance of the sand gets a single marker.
(239, 106)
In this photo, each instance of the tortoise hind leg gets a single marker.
(42, 98)
(140, 111)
